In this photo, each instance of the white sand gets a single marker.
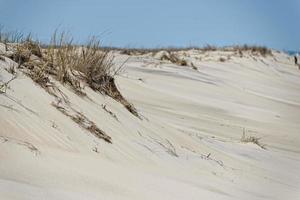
(186, 147)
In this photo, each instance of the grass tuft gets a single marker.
(252, 139)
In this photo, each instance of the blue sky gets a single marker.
(157, 23)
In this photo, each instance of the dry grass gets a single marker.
(40, 76)
(258, 50)
(142, 51)
(172, 57)
(11, 36)
(61, 58)
(252, 139)
(87, 63)
(209, 48)
(253, 49)
(109, 88)
(19, 37)
(24, 50)
(176, 60)
(82, 121)
(68, 63)
(21, 55)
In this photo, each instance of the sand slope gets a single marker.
(186, 146)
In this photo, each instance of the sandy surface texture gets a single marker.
(188, 143)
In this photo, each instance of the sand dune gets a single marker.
(187, 144)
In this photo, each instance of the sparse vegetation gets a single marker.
(209, 48)
(261, 50)
(10, 36)
(82, 121)
(68, 63)
(18, 37)
(23, 51)
(176, 60)
(88, 64)
(173, 58)
(252, 139)
(253, 49)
